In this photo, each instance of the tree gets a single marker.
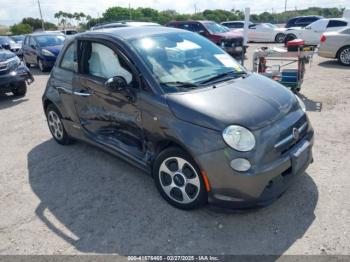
(35, 23)
(21, 29)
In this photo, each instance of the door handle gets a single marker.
(81, 94)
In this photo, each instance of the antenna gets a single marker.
(41, 16)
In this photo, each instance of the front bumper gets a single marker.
(13, 77)
(263, 183)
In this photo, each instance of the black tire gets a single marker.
(195, 192)
(289, 37)
(41, 65)
(343, 55)
(63, 138)
(20, 89)
(280, 37)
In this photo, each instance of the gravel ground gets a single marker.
(79, 199)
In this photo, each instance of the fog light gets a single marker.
(13, 73)
(240, 164)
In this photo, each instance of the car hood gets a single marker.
(229, 34)
(5, 55)
(15, 45)
(280, 29)
(54, 49)
(253, 102)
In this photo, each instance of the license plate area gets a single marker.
(300, 156)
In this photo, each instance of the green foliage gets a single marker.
(21, 29)
(35, 23)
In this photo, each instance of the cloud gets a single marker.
(11, 13)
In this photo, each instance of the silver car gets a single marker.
(336, 45)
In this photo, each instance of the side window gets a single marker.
(69, 58)
(185, 26)
(32, 41)
(195, 27)
(101, 61)
(252, 26)
(336, 23)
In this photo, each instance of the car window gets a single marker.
(32, 41)
(103, 62)
(50, 40)
(69, 58)
(196, 27)
(252, 26)
(234, 24)
(215, 28)
(336, 23)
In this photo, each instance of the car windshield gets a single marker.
(6, 40)
(50, 40)
(183, 61)
(215, 28)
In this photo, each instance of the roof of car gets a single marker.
(134, 32)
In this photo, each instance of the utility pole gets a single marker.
(285, 5)
(130, 17)
(195, 8)
(41, 16)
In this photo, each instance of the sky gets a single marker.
(13, 11)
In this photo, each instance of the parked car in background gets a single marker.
(229, 40)
(183, 110)
(42, 49)
(18, 38)
(312, 33)
(69, 32)
(123, 24)
(8, 43)
(265, 32)
(302, 21)
(13, 74)
(336, 45)
(234, 24)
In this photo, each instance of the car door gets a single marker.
(110, 117)
(31, 51)
(312, 33)
(253, 34)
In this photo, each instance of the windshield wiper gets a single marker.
(180, 84)
(231, 74)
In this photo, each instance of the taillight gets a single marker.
(323, 38)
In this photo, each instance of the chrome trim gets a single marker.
(290, 138)
(81, 94)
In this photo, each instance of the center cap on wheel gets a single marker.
(179, 180)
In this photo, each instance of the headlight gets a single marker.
(239, 138)
(46, 52)
(301, 103)
(13, 62)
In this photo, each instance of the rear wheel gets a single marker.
(280, 38)
(20, 89)
(344, 56)
(289, 37)
(58, 132)
(177, 178)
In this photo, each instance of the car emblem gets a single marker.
(296, 133)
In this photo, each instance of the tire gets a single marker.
(181, 187)
(41, 66)
(343, 55)
(54, 121)
(20, 89)
(289, 37)
(280, 38)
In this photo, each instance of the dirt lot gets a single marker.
(78, 199)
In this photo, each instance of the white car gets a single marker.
(312, 33)
(265, 32)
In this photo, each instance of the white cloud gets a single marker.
(11, 13)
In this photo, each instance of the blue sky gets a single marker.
(13, 11)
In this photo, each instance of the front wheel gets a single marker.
(41, 66)
(178, 179)
(54, 121)
(344, 56)
(280, 38)
(288, 38)
(20, 89)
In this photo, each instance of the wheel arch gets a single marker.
(338, 52)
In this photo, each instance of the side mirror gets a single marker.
(308, 27)
(116, 83)
(33, 46)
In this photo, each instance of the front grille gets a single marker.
(286, 140)
(233, 42)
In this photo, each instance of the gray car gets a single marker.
(180, 108)
(336, 45)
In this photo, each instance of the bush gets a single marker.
(21, 29)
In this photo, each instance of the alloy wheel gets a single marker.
(179, 180)
(55, 125)
(344, 56)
